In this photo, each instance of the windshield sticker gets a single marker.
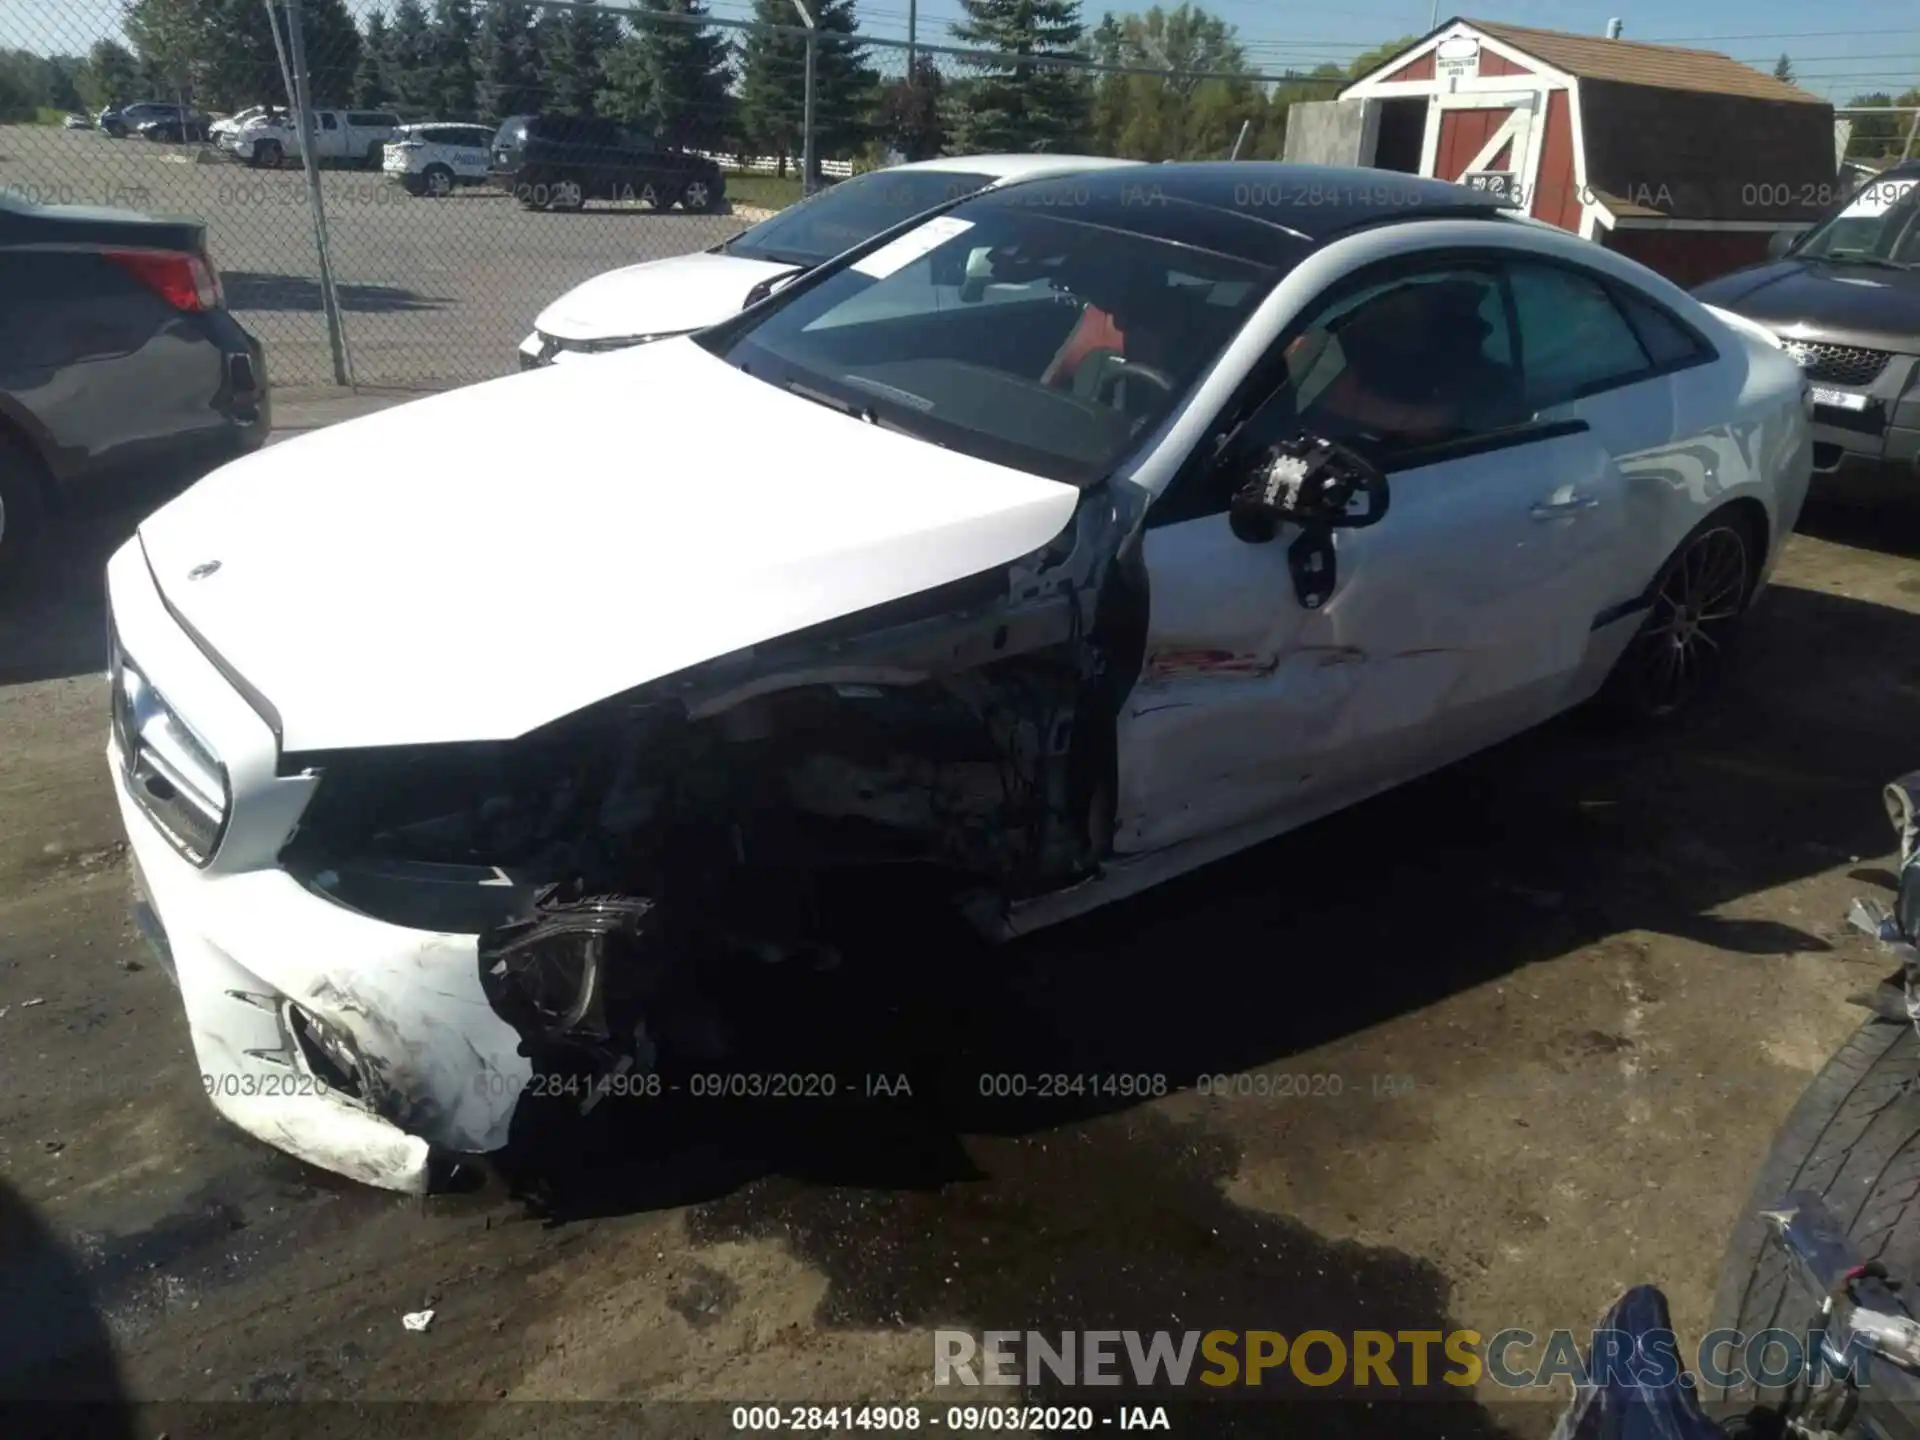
(1877, 198)
(899, 254)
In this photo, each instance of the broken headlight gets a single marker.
(571, 972)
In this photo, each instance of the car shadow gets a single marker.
(253, 290)
(53, 622)
(58, 1370)
(1888, 523)
(1561, 838)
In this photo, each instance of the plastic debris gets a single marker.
(417, 1319)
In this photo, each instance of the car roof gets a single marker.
(1260, 211)
(1017, 167)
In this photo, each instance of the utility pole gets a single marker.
(808, 159)
(913, 31)
(303, 104)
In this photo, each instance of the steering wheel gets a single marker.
(1119, 368)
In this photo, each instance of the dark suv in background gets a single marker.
(559, 162)
(120, 121)
(1845, 299)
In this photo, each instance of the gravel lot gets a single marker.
(1554, 1003)
(432, 290)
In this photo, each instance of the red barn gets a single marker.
(1686, 160)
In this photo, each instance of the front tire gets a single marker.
(567, 195)
(702, 197)
(1853, 1139)
(1698, 600)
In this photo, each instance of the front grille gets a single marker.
(1839, 364)
(171, 772)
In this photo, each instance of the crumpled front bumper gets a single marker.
(264, 964)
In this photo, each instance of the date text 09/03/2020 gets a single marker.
(954, 1419)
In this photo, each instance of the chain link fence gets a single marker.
(396, 259)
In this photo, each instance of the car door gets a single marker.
(468, 152)
(1604, 353)
(1456, 620)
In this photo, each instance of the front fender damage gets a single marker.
(610, 867)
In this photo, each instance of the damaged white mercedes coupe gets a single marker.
(1055, 543)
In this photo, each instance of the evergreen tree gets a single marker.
(370, 88)
(573, 45)
(454, 87)
(410, 67)
(509, 78)
(170, 37)
(1783, 69)
(773, 81)
(243, 68)
(685, 75)
(108, 76)
(1015, 104)
(909, 113)
(333, 50)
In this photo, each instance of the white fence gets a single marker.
(770, 164)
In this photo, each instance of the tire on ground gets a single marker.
(1853, 1138)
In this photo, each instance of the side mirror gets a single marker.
(1320, 486)
(1313, 483)
(950, 268)
(1780, 244)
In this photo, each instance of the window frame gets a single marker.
(1185, 497)
(1704, 351)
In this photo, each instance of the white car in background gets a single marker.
(659, 298)
(435, 157)
(235, 123)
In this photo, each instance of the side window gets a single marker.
(327, 121)
(1573, 339)
(1666, 341)
(1413, 360)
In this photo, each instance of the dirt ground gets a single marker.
(1550, 1007)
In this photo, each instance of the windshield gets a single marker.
(1026, 338)
(1880, 225)
(850, 213)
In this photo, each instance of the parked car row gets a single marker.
(154, 120)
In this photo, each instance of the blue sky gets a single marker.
(1858, 45)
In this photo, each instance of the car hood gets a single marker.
(660, 297)
(476, 564)
(1809, 300)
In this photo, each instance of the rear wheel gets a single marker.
(23, 509)
(437, 181)
(1698, 600)
(700, 196)
(375, 153)
(268, 154)
(1854, 1139)
(566, 195)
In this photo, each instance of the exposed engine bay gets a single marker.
(964, 737)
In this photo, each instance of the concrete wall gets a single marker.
(1331, 132)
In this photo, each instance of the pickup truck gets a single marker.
(350, 136)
